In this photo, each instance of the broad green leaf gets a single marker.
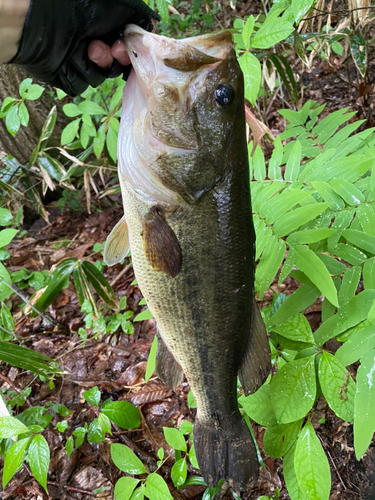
(6, 218)
(23, 114)
(300, 8)
(293, 164)
(162, 6)
(151, 359)
(156, 488)
(7, 318)
(350, 254)
(192, 457)
(138, 494)
(123, 414)
(334, 266)
(92, 396)
(291, 482)
(369, 274)
(111, 142)
(279, 438)
(13, 459)
(309, 236)
(337, 386)
(349, 285)
(27, 359)
(91, 108)
(186, 427)
(6, 105)
(104, 423)
(70, 132)
(358, 49)
(362, 240)
(12, 121)
(179, 472)
(52, 166)
(95, 434)
(259, 164)
(261, 192)
(279, 204)
(350, 169)
(360, 340)
(72, 110)
(99, 141)
(124, 488)
(328, 194)
(310, 167)
(293, 390)
(33, 92)
(310, 264)
(297, 329)
(100, 284)
(273, 31)
(269, 264)
(144, 315)
(252, 72)
(10, 426)
(296, 218)
(311, 466)
(364, 405)
(351, 194)
(302, 298)
(6, 236)
(69, 446)
(259, 406)
(174, 438)
(274, 171)
(353, 313)
(247, 31)
(366, 216)
(39, 458)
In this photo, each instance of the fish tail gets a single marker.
(226, 451)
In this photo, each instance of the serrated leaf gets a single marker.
(297, 329)
(310, 264)
(39, 458)
(259, 406)
(252, 72)
(124, 488)
(156, 488)
(279, 438)
(293, 390)
(123, 414)
(364, 405)
(179, 472)
(273, 31)
(353, 313)
(13, 459)
(311, 466)
(337, 386)
(296, 218)
(175, 438)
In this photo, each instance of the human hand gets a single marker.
(77, 43)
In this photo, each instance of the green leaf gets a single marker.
(175, 438)
(350, 254)
(10, 426)
(162, 6)
(353, 313)
(69, 446)
(259, 164)
(92, 396)
(6, 217)
(273, 31)
(291, 482)
(362, 240)
(95, 433)
(269, 264)
(179, 472)
(309, 236)
(12, 121)
(72, 110)
(279, 438)
(328, 194)
(274, 171)
(151, 359)
(33, 92)
(351, 194)
(156, 488)
(6, 236)
(278, 205)
(252, 72)
(349, 285)
(369, 274)
(310, 264)
(99, 141)
(294, 162)
(311, 466)
(300, 8)
(296, 328)
(337, 386)
(126, 460)
(364, 406)
(8, 103)
(296, 218)
(334, 266)
(259, 406)
(70, 132)
(123, 414)
(293, 390)
(104, 423)
(39, 458)
(138, 494)
(13, 459)
(23, 114)
(360, 340)
(144, 315)
(100, 284)
(7, 318)
(91, 108)
(359, 52)
(124, 488)
(248, 31)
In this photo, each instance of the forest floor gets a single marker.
(117, 363)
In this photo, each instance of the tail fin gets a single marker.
(226, 452)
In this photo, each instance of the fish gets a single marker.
(184, 176)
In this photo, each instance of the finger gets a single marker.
(119, 52)
(100, 53)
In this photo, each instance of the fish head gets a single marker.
(182, 102)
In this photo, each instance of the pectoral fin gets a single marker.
(117, 244)
(256, 364)
(161, 246)
(166, 366)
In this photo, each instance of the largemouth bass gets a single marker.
(183, 169)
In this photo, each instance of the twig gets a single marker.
(337, 472)
(343, 11)
(72, 488)
(121, 274)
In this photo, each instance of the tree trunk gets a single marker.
(22, 145)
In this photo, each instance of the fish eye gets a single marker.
(224, 94)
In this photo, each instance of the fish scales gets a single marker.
(187, 216)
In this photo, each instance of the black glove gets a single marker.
(56, 34)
